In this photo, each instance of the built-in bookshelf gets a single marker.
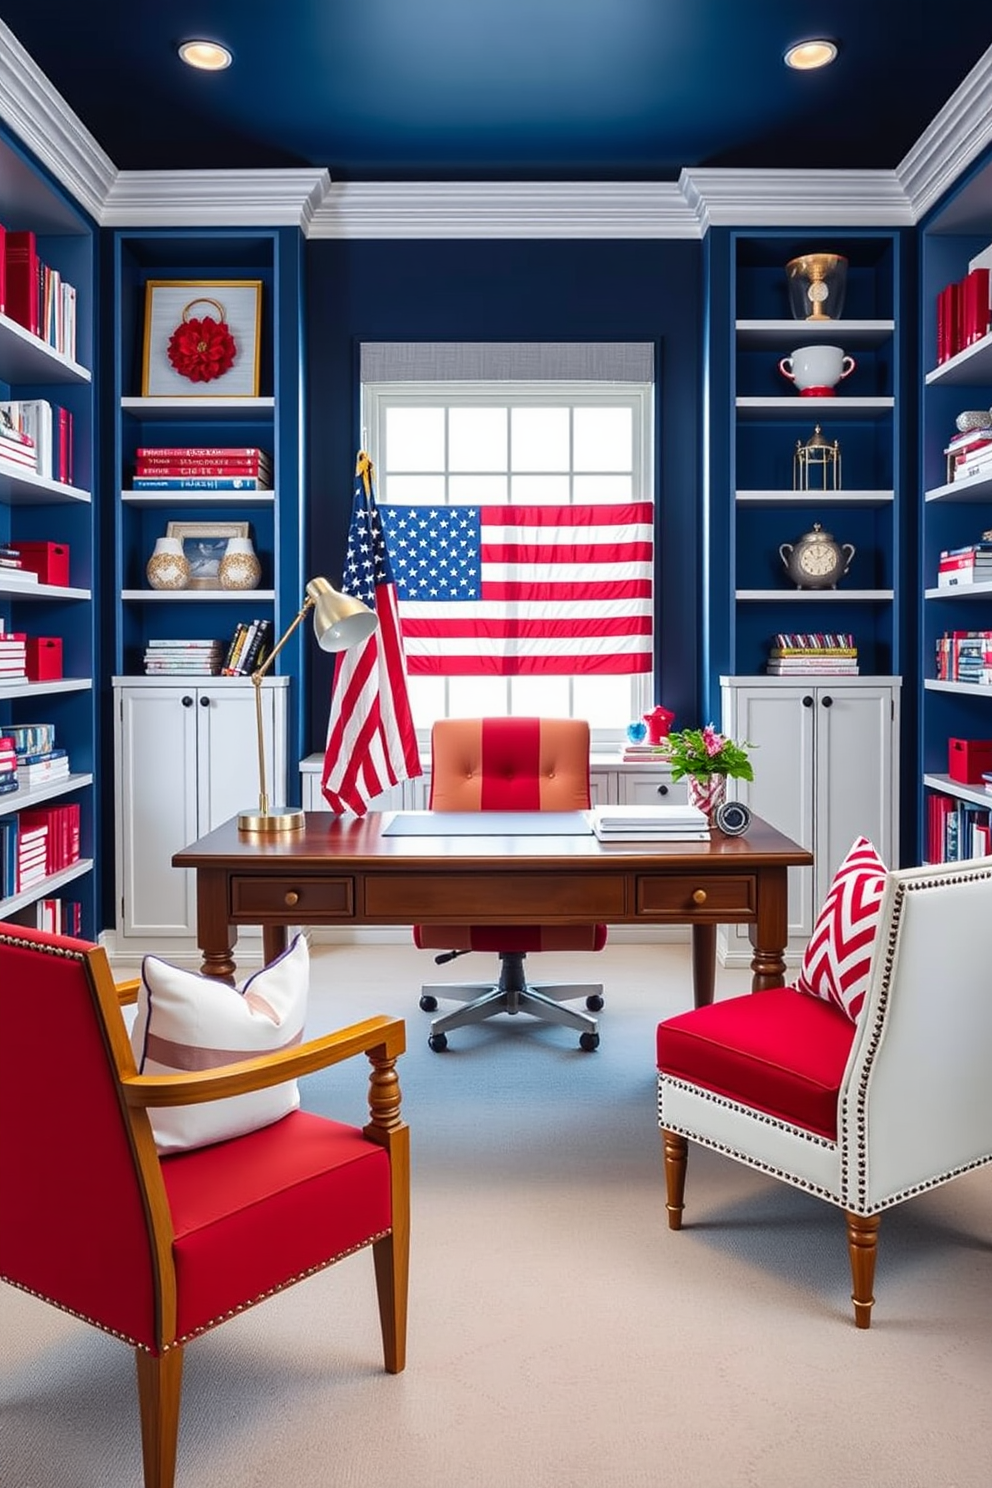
(36, 507)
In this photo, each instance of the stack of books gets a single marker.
(41, 769)
(182, 657)
(629, 751)
(969, 453)
(49, 426)
(8, 765)
(13, 656)
(12, 571)
(17, 449)
(961, 566)
(805, 654)
(650, 823)
(249, 646)
(221, 468)
(30, 855)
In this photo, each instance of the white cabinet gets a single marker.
(186, 760)
(825, 772)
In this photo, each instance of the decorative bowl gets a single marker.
(973, 418)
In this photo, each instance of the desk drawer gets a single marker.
(696, 896)
(492, 898)
(299, 899)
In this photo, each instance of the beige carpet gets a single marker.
(560, 1335)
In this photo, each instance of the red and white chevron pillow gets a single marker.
(837, 962)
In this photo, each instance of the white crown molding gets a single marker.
(766, 198)
(41, 118)
(957, 134)
(233, 198)
(503, 209)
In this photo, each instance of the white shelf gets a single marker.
(820, 409)
(200, 410)
(973, 365)
(972, 488)
(971, 689)
(951, 787)
(179, 596)
(966, 591)
(46, 888)
(20, 799)
(199, 498)
(41, 591)
(23, 488)
(42, 689)
(832, 596)
(26, 358)
(769, 335)
(814, 498)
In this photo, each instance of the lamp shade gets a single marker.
(339, 620)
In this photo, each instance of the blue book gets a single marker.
(201, 483)
(8, 855)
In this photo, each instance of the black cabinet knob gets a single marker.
(204, 702)
(828, 702)
(663, 790)
(187, 701)
(807, 702)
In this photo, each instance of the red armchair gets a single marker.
(158, 1250)
(510, 764)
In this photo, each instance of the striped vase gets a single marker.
(707, 791)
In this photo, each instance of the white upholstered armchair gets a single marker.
(863, 1113)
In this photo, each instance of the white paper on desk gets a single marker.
(486, 824)
(609, 820)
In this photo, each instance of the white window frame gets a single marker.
(379, 396)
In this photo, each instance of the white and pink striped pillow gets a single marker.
(837, 963)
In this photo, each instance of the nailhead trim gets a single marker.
(205, 1327)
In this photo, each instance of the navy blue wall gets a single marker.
(511, 291)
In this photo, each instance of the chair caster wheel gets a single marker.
(588, 1041)
(428, 1003)
(439, 1042)
(594, 1003)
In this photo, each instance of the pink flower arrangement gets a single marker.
(705, 752)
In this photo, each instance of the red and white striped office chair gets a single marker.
(510, 764)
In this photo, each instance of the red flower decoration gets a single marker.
(203, 349)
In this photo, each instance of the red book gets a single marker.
(3, 267)
(63, 447)
(22, 280)
(974, 306)
(180, 451)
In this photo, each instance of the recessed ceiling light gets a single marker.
(806, 55)
(209, 56)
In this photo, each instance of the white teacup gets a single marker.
(816, 370)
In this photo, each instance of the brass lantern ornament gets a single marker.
(816, 464)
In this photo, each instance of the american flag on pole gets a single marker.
(507, 590)
(371, 743)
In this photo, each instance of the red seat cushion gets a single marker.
(777, 1051)
(254, 1213)
(510, 937)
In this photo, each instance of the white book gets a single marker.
(649, 818)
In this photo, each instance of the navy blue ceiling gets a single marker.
(503, 89)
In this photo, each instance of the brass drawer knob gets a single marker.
(292, 898)
(699, 896)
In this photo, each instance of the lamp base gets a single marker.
(276, 819)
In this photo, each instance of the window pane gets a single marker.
(604, 701)
(591, 488)
(603, 439)
(427, 700)
(478, 697)
(540, 697)
(415, 438)
(428, 490)
(540, 439)
(477, 490)
(538, 490)
(477, 439)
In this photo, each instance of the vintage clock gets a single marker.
(816, 560)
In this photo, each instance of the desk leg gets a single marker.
(703, 964)
(771, 930)
(213, 932)
(275, 938)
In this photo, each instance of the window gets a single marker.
(519, 516)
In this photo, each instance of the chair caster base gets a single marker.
(594, 1003)
(428, 1003)
(438, 1041)
(589, 1041)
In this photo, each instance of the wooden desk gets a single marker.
(341, 871)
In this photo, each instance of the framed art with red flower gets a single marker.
(202, 338)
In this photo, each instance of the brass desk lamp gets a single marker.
(339, 622)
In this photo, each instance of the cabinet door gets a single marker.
(156, 809)
(227, 752)
(855, 788)
(780, 723)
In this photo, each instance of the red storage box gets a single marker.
(50, 561)
(967, 759)
(43, 659)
